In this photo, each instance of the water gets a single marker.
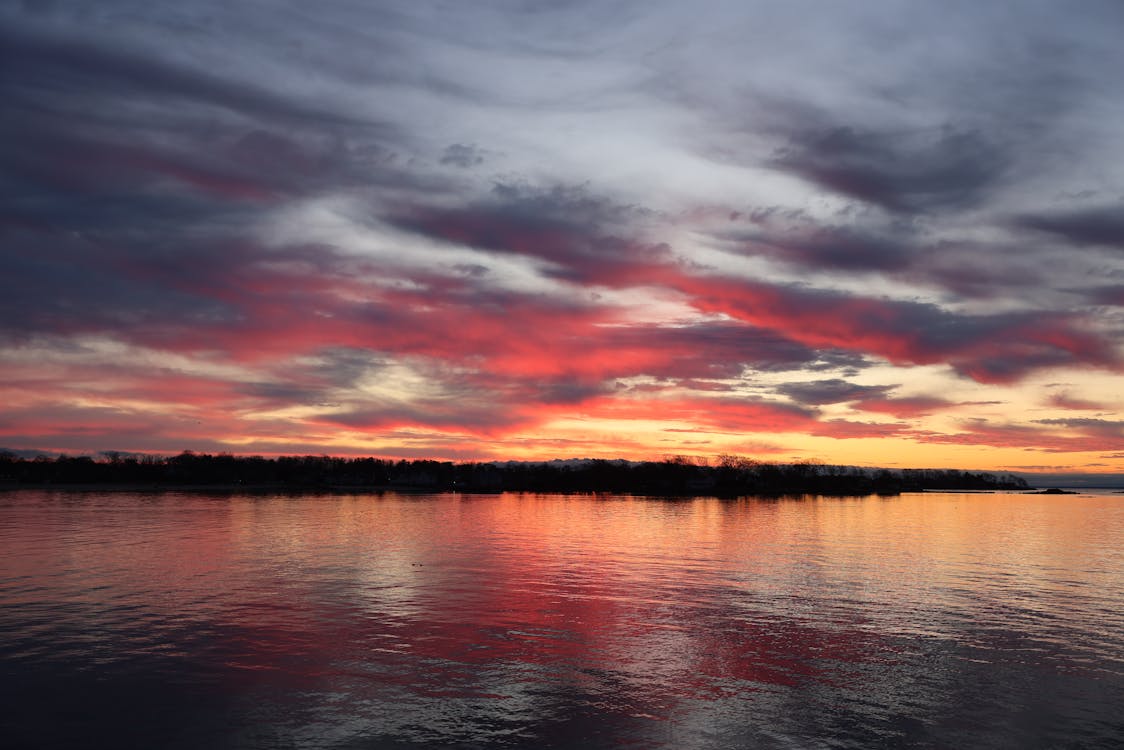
(509, 621)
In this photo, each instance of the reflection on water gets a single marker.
(383, 621)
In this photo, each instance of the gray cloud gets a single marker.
(584, 237)
(462, 155)
(796, 238)
(57, 71)
(1091, 226)
(1089, 425)
(831, 391)
(912, 172)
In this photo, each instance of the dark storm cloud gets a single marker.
(59, 73)
(1108, 295)
(60, 284)
(979, 270)
(800, 240)
(911, 172)
(132, 178)
(106, 132)
(906, 250)
(847, 250)
(1093, 226)
(583, 237)
(151, 288)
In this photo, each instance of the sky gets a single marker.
(878, 233)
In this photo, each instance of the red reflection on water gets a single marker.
(558, 585)
(524, 607)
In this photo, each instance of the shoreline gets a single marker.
(266, 488)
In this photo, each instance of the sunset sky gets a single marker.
(878, 233)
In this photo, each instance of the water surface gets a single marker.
(510, 621)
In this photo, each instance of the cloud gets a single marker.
(1107, 428)
(545, 225)
(909, 253)
(253, 303)
(806, 242)
(995, 348)
(462, 155)
(1108, 295)
(1102, 225)
(580, 236)
(904, 407)
(1067, 401)
(36, 62)
(831, 391)
(724, 414)
(900, 172)
(1089, 438)
(488, 221)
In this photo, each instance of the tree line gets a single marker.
(726, 475)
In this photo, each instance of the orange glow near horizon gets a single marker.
(216, 413)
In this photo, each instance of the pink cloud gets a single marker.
(904, 408)
(989, 349)
(1022, 436)
(1073, 403)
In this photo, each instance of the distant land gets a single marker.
(724, 476)
(1076, 481)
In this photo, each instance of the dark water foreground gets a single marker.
(194, 621)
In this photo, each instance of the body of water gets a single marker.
(509, 621)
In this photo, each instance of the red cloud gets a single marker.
(989, 349)
(505, 361)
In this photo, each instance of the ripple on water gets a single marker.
(547, 621)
